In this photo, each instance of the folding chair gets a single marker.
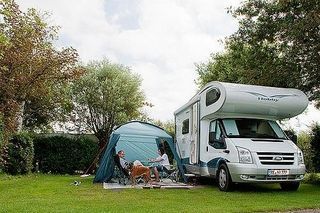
(119, 172)
(172, 173)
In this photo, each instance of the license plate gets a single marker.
(276, 172)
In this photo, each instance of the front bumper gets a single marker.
(246, 173)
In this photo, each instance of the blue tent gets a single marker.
(140, 141)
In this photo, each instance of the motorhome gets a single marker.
(231, 132)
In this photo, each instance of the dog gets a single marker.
(136, 171)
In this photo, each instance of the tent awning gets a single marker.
(140, 141)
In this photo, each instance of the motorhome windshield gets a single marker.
(252, 128)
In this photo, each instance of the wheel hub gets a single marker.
(222, 178)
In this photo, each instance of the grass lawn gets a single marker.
(49, 193)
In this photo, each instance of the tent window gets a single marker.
(212, 96)
(185, 127)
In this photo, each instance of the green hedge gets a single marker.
(63, 155)
(17, 155)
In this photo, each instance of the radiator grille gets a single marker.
(274, 158)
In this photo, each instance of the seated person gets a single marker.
(120, 160)
(132, 170)
(163, 161)
(122, 163)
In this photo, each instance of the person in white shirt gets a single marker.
(163, 162)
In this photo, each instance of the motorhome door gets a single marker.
(194, 142)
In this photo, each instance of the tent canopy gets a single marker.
(140, 141)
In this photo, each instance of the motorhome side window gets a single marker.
(185, 127)
(212, 96)
(215, 135)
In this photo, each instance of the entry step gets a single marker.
(190, 175)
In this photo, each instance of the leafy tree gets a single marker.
(277, 44)
(40, 111)
(315, 146)
(32, 71)
(105, 97)
(168, 126)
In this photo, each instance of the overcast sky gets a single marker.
(159, 39)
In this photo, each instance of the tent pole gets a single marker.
(91, 167)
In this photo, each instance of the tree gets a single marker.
(315, 146)
(41, 111)
(168, 126)
(105, 97)
(31, 69)
(277, 44)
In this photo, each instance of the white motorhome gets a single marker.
(230, 132)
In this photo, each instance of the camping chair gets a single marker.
(172, 173)
(120, 173)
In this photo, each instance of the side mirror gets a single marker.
(217, 143)
(212, 137)
(294, 138)
(222, 143)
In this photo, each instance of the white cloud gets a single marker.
(169, 37)
(159, 39)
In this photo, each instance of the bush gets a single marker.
(17, 155)
(64, 155)
(304, 140)
(312, 178)
(315, 146)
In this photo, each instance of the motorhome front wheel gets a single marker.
(224, 179)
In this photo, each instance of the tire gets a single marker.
(290, 186)
(224, 179)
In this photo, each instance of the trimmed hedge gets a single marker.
(17, 155)
(63, 155)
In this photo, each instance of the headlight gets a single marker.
(244, 155)
(300, 158)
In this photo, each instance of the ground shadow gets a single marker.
(250, 187)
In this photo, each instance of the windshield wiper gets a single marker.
(267, 139)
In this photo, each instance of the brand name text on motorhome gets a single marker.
(274, 98)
